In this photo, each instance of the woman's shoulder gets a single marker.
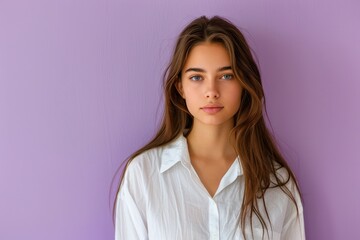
(145, 161)
(283, 181)
(139, 170)
(150, 160)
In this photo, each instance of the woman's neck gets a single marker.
(211, 142)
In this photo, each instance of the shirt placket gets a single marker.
(213, 220)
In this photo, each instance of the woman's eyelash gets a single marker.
(227, 76)
(195, 78)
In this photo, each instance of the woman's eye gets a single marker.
(227, 76)
(195, 78)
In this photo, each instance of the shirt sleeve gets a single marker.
(294, 220)
(130, 221)
(294, 228)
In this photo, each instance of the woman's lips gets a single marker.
(212, 110)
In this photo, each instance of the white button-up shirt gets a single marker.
(162, 198)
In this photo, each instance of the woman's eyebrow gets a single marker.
(224, 68)
(202, 70)
(195, 70)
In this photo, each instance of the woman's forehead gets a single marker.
(208, 56)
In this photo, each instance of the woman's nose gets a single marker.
(212, 90)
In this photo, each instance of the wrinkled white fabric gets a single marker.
(162, 198)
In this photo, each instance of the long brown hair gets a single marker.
(259, 155)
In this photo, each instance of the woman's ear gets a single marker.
(179, 88)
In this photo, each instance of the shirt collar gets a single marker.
(177, 151)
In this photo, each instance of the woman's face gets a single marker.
(208, 85)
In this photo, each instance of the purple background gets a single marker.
(80, 91)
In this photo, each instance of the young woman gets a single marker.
(213, 170)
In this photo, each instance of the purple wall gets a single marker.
(79, 91)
